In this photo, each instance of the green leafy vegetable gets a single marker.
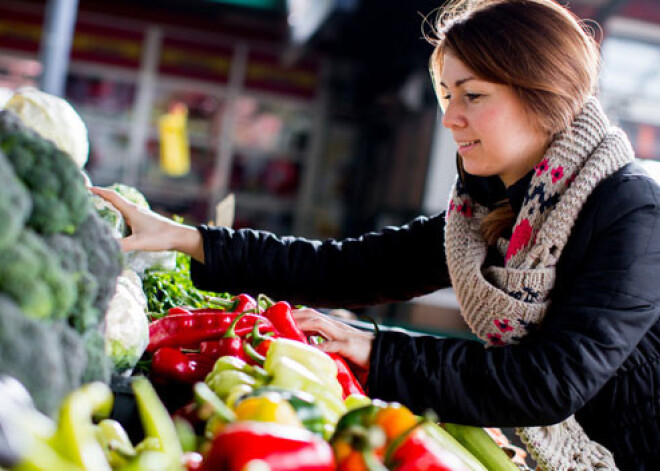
(169, 288)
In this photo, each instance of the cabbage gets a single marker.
(111, 215)
(54, 119)
(139, 261)
(127, 326)
(131, 193)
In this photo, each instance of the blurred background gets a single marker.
(319, 115)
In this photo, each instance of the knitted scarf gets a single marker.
(502, 303)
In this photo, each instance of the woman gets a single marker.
(549, 242)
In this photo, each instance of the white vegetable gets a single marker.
(127, 326)
(53, 118)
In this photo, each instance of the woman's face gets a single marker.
(494, 133)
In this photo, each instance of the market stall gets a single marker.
(112, 361)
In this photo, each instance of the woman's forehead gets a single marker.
(451, 71)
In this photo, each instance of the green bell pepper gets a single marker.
(75, 437)
(157, 422)
(114, 440)
(288, 373)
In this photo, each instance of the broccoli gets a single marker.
(60, 200)
(75, 358)
(104, 258)
(33, 352)
(99, 365)
(33, 277)
(15, 204)
(73, 260)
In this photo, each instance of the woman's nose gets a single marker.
(452, 117)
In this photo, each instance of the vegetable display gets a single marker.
(250, 392)
(58, 269)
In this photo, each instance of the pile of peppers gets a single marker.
(186, 343)
(384, 436)
(263, 398)
(84, 438)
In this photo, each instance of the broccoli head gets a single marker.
(99, 364)
(34, 353)
(33, 277)
(60, 200)
(73, 260)
(15, 203)
(104, 258)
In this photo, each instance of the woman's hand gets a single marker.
(151, 231)
(353, 344)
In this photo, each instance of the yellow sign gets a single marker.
(174, 145)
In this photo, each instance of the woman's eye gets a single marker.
(473, 96)
(446, 97)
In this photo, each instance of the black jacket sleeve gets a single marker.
(600, 310)
(395, 264)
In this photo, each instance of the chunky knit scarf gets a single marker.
(501, 304)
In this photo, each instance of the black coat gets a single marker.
(595, 355)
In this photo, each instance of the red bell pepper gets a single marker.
(188, 330)
(239, 303)
(282, 448)
(279, 314)
(192, 461)
(211, 310)
(419, 451)
(244, 303)
(229, 344)
(349, 383)
(178, 310)
(172, 363)
(261, 342)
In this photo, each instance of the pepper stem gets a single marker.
(253, 354)
(223, 303)
(231, 331)
(264, 302)
(256, 336)
(395, 443)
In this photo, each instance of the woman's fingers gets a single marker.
(112, 197)
(351, 343)
(150, 231)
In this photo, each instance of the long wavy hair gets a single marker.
(539, 48)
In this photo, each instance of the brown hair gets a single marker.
(537, 47)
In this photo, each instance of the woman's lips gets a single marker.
(466, 146)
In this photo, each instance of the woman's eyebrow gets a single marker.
(458, 82)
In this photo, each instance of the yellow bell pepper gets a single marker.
(267, 408)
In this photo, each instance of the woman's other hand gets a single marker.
(353, 344)
(151, 231)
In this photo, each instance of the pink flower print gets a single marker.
(557, 174)
(465, 209)
(452, 206)
(542, 167)
(496, 339)
(503, 325)
(521, 236)
(571, 179)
